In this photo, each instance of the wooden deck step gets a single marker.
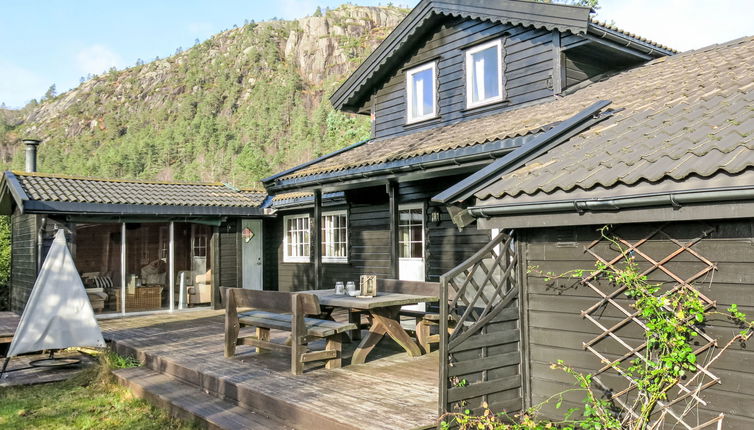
(191, 404)
(284, 408)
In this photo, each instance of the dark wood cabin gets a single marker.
(442, 90)
(666, 162)
(133, 240)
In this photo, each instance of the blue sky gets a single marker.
(57, 41)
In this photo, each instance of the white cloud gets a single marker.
(18, 85)
(292, 9)
(97, 59)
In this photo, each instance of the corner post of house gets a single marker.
(392, 191)
(123, 268)
(171, 269)
(316, 236)
(214, 256)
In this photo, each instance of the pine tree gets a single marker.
(50, 93)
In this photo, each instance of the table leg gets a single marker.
(390, 318)
(354, 317)
(376, 331)
(385, 321)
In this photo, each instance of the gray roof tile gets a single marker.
(691, 114)
(58, 188)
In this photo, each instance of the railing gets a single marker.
(480, 332)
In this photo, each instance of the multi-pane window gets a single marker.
(335, 237)
(411, 233)
(297, 239)
(420, 92)
(484, 74)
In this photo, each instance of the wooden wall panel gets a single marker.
(528, 69)
(229, 254)
(369, 240)
(23, 258)
(557, 331)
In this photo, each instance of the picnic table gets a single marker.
(384, 309)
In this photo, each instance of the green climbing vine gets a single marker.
(673, 321)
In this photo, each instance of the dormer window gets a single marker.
(421, 84)
(484, 74)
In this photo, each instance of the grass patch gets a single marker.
(90, 400)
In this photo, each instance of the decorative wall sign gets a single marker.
(247, 234)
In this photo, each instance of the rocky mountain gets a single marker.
(245, 103)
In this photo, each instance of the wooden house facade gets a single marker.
(435, 89)
(512, 131)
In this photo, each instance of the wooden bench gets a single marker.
(282, 311)
(424, 319)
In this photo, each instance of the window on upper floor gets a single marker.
(296, 242)
(421, 97)
(484, 74)
(335, 237)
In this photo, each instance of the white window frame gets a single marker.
(498, 43)
(332, 258)
(424, 230)
(287, 258)
(410, 118)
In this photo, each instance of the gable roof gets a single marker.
(683, 124)
(41, 192)
(421, 19)
(440, 147)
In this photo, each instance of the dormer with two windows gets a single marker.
(451, 61)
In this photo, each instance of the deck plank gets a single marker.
(391, 391)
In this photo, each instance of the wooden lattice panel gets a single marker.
(678, 411)
(483, 288)
(480, 351)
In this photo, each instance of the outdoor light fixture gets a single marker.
(434, 214)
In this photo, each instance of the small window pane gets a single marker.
(484, 74)
(416, 250)
(334, 237)
(297, 239)
(416, 233)
(411, 233)
(421, 92)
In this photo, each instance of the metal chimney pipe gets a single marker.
(31, 154)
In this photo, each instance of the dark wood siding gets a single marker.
(369, 239)
(273, 242)
(446, 247)
(580, 67)
(528, 57)
(229, 258)
(290, 276)
(556, 329)
(23, 258)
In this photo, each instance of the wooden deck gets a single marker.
(390, 391)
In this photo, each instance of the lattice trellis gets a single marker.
(680, 408)
(479, 290)
(480, 293)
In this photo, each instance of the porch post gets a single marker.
(316, 236)
(171, 269)
(214, 257)
(392, 191)
(123, 268)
